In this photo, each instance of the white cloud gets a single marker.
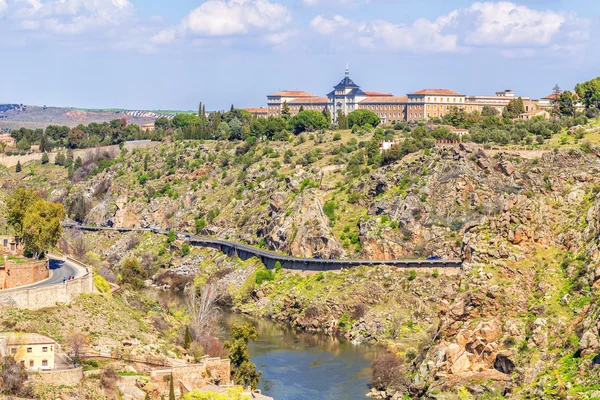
(66, 16)
(516, 30)
(235, 17)
(3, 6)
(327, 26)
(506, 23)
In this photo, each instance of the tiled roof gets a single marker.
(378, 94)
(291, 93)
(385, 100)
(551, 96)
(27, 338)
(256, 110)
(309, 100)
(437, 91)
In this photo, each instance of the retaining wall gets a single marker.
(65, 377)
(198, 375)
(11, 161)
(48, 296)
(15, 274)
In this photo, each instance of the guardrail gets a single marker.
(269, 258)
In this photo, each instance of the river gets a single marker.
(298, 365)
(307, 366)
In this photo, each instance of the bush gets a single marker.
(264, 275)
(101, 284)
(329, 209)
(278, 267)
(319, 277)
(363, 117)
(386, 370)
(337, 136)
(186, 250)
(412, 275)
(435, 273)
(171, 237)
(307, 121)
(200, 224)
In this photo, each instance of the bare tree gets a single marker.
(78, 242)
(202, 306)
(76, 342)
(12, 376)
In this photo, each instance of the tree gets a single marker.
(243, 370)
(41, 226)
(514, 108)
(236, 129)
(327, 115)
(565, 103)
(23, 144)
(18, 167)
(76, 342)
(223, 131)
(185, 120)
(60, 159)
(285, 111)
(589, 92)
(301, 109)
(45, 159)
(12, 376)
(171, 388)
(342, 120)
(202, 306)
(307, 121)
(362, 117)
(17, 206)
(187, 338)
(133, 273)
(162, 123)
(488, 111)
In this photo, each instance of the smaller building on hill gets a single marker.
(32, 351)
(9, 141)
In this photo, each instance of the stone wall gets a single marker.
(65, 377)
(48, 296)
(11, 161)
(14, 274)
(198, 375)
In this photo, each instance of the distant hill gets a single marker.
(15, 116)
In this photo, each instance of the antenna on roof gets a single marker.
(347, 70)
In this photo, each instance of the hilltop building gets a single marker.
(421, 105)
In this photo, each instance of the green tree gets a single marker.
(342, 120)
(185, 120)
(243, 370)
(565, 103)
(514, 108)
(307, 121)
(488, 111)
(23, 144)
(187, 338)
(78, 162)
(162, 123)
(146, 160)
(17, 206)
(60, 159)
(301, 109)
(45, 159)
(362, 117)
(171, 388)
(236, 129)
(589, 92)
(285, 111)
(41, 226)
(18, 167)
(223, 131)
(131, 272)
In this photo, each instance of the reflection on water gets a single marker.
(299, 365)
(303, 366)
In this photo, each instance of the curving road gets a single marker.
(269, 258)
(59, 270)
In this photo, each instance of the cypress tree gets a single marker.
(187, 338)
(45, 159)
(200, 110)
(171, 389)
(18, 167)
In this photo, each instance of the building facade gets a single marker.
(421, 105)
(32, 351)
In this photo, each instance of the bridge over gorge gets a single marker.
(269, 258)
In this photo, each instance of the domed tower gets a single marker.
(345, 96)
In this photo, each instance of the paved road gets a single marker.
(203, 240)
(59, 270)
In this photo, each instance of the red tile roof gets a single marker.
(378, 94)
(256, 110)
(437, 91)
(310, 100)
(291, 93)
(551, 96)
(385, 100)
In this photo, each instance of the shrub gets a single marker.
(386, 370)
(186, 250)
(337, 136)
(319, 277)
(329, 209)
(344, 323)
(101, 284)
(412, 275)
(171, 236)
(435, 273)
(264, 275)
(278, 267)
(200, 224)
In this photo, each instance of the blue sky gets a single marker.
(159, 54)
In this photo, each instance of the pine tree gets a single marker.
(45, 159)
(187, 338)
(285, 111)
(18, 167)
(70, 169)
(146, 159)
(78, 163)
(171, 389)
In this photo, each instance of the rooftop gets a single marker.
(15, 338)
(384, 99)
(437, 91)
(260, 110)
(309, 100)
(291, 93)
(378, 94)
